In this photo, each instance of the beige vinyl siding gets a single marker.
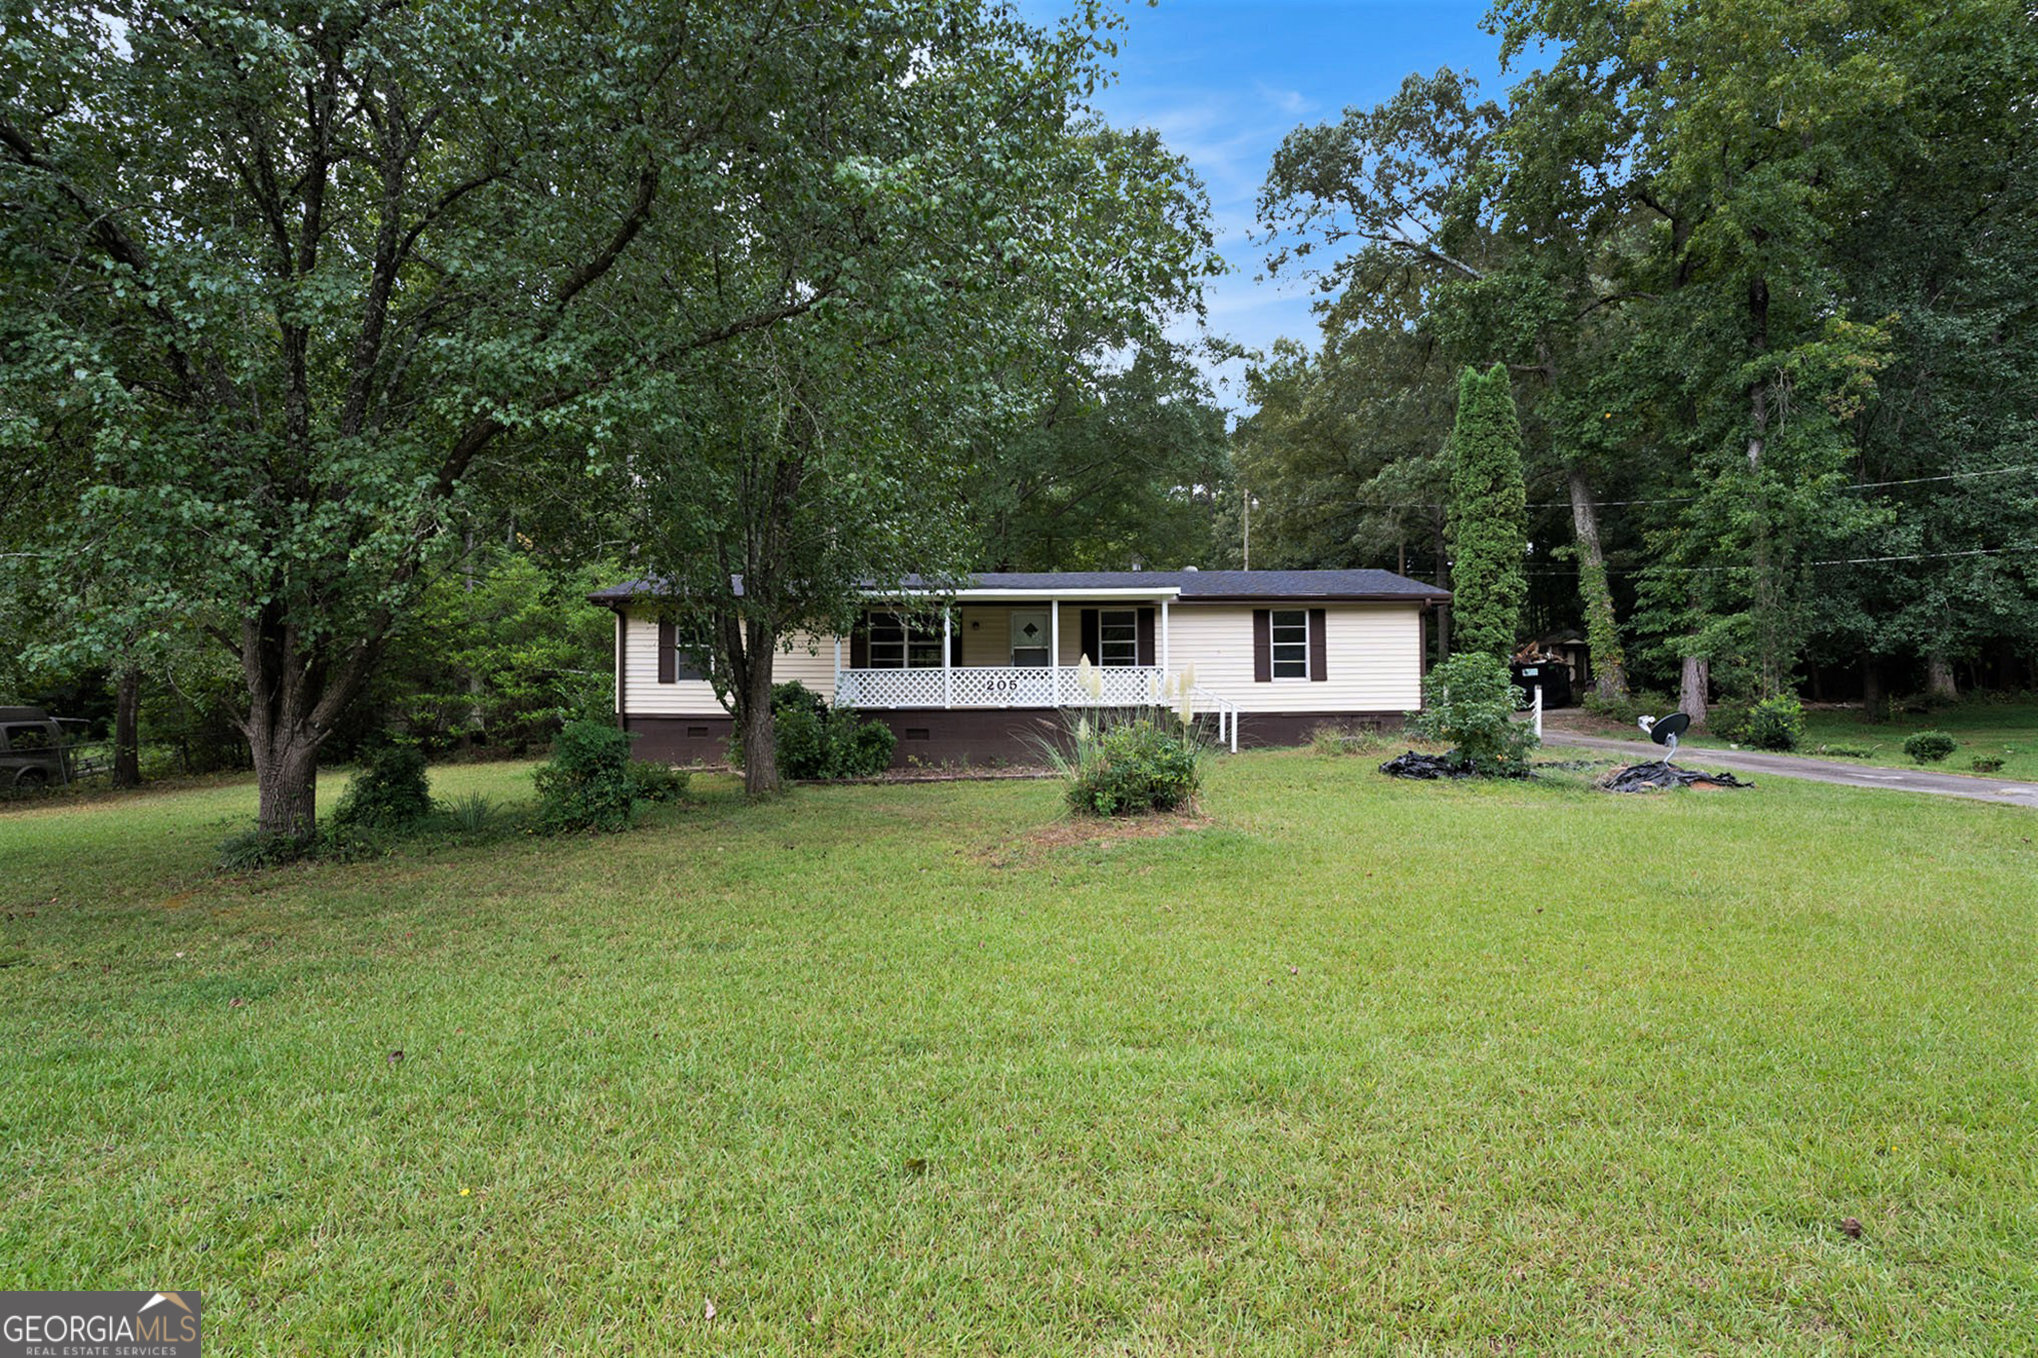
(696, 697)
(987, 632)
(1372, 652)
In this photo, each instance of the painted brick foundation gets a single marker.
(936, 736)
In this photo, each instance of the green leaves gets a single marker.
(1487, 526)
(1749, 256)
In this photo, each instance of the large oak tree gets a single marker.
(301, 279)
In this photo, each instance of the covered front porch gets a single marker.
(1005, 649)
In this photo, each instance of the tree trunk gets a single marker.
(760, 733)
(1771, 666)
(295, 695)
(474, 690)
(1694, 698)
(127, 750)
(1940, 686)
(1602, 628)
(1874, 706)
(286, 777)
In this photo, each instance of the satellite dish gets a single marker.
(1665, 730)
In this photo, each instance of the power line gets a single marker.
(1837, 561)
(1687, 499)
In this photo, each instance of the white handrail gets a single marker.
(1227, 713)
(992, 686)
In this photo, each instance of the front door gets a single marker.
(1029, 637)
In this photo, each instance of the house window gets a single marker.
(1118, 636)
(901, 643)
(1290, 637)
(690, 662)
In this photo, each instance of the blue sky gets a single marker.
(1224, 81)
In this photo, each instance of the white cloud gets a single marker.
(1289, 102)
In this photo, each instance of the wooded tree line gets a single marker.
(300, 303)
(1761, 272)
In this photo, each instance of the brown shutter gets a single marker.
(955, 639)
(668, 653)
(1319, 645)
(859, 642)
(1145, 656)
(1091, 645)
(1263, 646)
(622, 670)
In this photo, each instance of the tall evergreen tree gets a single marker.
(1488, 514)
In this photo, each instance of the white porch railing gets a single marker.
(998, 686)
(1027, 686)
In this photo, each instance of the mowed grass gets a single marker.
(2002, 729)
(1354, 1064)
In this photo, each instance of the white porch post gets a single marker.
(1164, 640)
(838, 671)
(1054, 651)
(947, 654)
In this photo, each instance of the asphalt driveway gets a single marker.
(2003, 791)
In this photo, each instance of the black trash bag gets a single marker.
(1660, 776)
(1413, 765)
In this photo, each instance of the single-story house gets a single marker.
(985, 670)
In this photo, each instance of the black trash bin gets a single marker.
(1553, 675)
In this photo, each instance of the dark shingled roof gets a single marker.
(1195, 586)
(1227, 584)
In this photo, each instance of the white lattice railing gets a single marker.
(1028, 686)
(1002, 686)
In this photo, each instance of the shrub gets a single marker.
(794, 696)
(258, 849)
(389, 791)
(1468, 704)
(1120, 768)
(831, 743)
(860, 749)
(1986, 763)
(472, 813)
(586, 785)
(1775, 724)
(651, 781)
(1729, 720)
(1627, 711)
(1928, 747)
(802, 743)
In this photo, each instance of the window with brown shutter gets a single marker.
(1288, 635)
(677, 661)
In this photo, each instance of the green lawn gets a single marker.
(1355, 1064)
(2007, 730)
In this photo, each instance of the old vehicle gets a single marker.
(39, 751)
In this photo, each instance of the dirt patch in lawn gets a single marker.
(1072, 832)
